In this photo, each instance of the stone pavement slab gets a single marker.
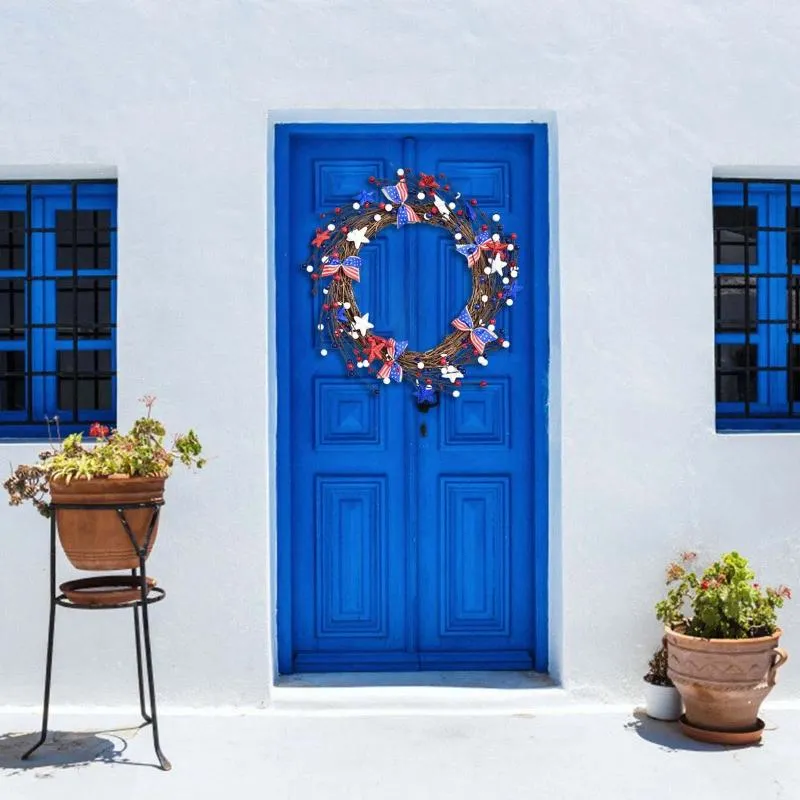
(319, 756)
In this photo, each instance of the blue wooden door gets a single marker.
(411, 540)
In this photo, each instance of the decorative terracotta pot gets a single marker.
(662, 702)
(96, 540)
(723, 681)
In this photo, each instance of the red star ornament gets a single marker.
(320, 238)
(376, 347)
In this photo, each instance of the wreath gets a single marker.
(490, 255)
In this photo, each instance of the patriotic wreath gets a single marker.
(490, 255)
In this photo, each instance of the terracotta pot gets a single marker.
(662, 702)
(723, 681)
(96, 540)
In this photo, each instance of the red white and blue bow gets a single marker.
(479, 337)
(351, 267)
(398, 195)
(473, 251)
(391, 369)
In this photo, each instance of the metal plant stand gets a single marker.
(147, 596)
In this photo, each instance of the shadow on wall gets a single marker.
(65, 749)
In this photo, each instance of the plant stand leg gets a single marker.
(163, 760)
(139, 671)
(48, 672)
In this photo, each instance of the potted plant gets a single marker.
(723, 655)
(116, 468)
(662, 700)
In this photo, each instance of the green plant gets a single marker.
(657, 672)
(139, 453)
(724, 601)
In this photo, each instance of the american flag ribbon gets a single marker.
(398, 195)
(473, 251)
(351, 267)
(391, 369)
(479, 337)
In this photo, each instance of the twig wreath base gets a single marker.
(490, 255)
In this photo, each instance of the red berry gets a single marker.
(475, 352)
(458, 383)
(491, 322)
(484, 227)
(372, 179)
(499, 294)
(428, 381)
(513, 235)
(315, 277)
(483, 384)
(460, 213)
(434, 210)
(344, 229)
(350, 365)
(325, 307)
(366, 205)
(500, 341)
(447, 187)
(337, 210)
(442, 360)
(473, 202)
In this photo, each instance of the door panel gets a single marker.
(407, 539)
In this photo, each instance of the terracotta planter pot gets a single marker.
(723, 681)
(662, 702)
(96, 540)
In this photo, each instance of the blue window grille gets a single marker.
(757, 304)
(58, 300)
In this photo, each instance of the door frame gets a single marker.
(537, 302)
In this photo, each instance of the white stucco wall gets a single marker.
(646, 102)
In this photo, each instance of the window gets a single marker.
(58, 268)
(757, 304)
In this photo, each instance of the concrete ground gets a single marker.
(563, 751)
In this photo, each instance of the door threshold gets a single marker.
(473, 692)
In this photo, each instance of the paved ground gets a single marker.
(292, 756)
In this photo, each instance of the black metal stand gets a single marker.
(156, 594)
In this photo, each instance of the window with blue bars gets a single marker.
(58, 300)
(757, 302)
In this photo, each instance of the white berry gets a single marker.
(490, 328)
(483, 361)
(451, 206)
(323, 352)
(458, 237)
(485, 298)
(401, 172)
(456, 393)
(388, 206)
(309, 268)
(320, 327)
(487, 270)
(495, 217)
(420, 365)
(324, 291)
(505, 280)
(347, 305)
(356, 206)
(509, 302)
(420, 195)
(506, 344)
(386, 381)
(510, 247)
(377, 218)
(495, 237)
(514, 273)
(331, 227)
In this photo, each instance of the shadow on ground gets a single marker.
(668, 735)
(64, 750)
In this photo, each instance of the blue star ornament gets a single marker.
(512, 290)
(365, 197)
(425, 393)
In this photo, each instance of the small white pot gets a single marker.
(662, 702)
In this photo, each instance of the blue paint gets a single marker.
(40, 344)
(771, 407)
(398, 550)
